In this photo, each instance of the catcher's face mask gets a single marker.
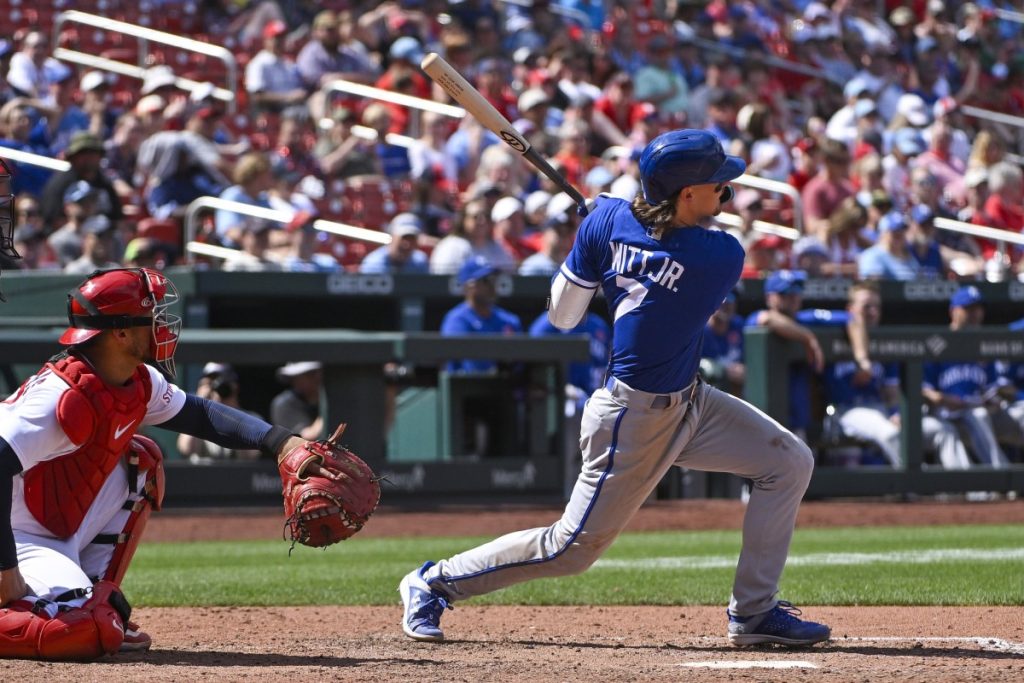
(123, 298)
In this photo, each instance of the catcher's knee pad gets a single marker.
(27, 629)
(143, 456)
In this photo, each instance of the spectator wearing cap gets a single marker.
(218, 383)
(965, 393)
(534, 106)
(32, 67)
(298, 407)
(509, 221)
(764, 255)
(271, 78)
(889, 258)
(660, 80)
(60, 118)
(535, 209)
(932, 260)
(427, 152)
(479, 312)
(85, 154)
(864, 20)
(975, 196)
(404, 75)
(400, 255)
(783, 298)
(811, 256)
(99, 247)
(323, 59)
(96, 104)
(343, 154)
(826, 190)
(907, 144)
(79, 204)
(253, 179)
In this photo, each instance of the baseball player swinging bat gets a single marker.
(465, 94)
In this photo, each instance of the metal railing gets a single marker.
(31, 159)
(734, 221)
(994, 234)
(781, 188)
(361, 90)
(144, 36)
(192, 220)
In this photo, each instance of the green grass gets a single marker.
(953, 565)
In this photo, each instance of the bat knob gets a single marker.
(581, 210)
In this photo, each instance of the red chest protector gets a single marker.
(102, 420)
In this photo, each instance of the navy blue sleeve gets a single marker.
(9, 466)
(226, 426)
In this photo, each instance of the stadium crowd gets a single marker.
(858, 105)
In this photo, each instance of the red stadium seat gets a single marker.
(166, 230)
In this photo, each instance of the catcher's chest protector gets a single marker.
(103, 420)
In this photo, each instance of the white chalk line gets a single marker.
(932, 556)
(750, 664)
(984, 642)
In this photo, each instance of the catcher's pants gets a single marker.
(52, 566)
(629, 440)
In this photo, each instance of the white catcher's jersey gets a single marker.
(28, 422)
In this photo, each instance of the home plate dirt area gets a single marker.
(594, 643)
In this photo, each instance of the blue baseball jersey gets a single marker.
(724, 348)
(840, 390)
(1012, 373)
(464, 320)
(586, 376)
(962, 379)
(660, 293)
(930, 265)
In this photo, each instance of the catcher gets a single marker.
(77, 484)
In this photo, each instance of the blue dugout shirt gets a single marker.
(660, 293)
(464, 320)
(586, 376)
(724, 348)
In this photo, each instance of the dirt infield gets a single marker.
(560, 643)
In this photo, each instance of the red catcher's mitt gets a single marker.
(325, 508)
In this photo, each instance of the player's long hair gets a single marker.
(658, 218)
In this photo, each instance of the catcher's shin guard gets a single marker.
(143, 456)
(28, 631)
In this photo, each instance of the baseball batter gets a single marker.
(663, 276)
(77, 484)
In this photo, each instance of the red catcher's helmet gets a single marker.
(123, 298)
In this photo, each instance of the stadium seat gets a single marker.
(166, 230)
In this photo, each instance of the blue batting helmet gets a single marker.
(681, 158)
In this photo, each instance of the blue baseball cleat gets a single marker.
(778, 625)
(423, 606)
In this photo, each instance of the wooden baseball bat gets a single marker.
(483, 111)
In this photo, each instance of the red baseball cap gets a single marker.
(273, 28)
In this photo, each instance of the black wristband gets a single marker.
(274, 439)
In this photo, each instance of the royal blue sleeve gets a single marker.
(587, 254)
(822, 317)
(10, 465)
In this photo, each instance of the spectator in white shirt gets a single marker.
(272, 80)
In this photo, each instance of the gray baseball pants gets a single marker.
(629, 440)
